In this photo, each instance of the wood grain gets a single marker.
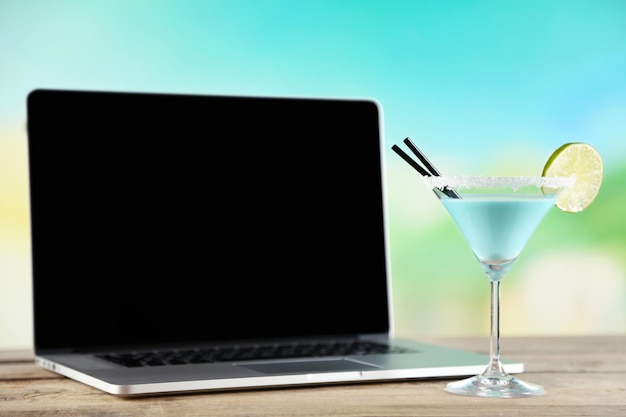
(583, 376)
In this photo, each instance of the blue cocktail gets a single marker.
(497, 216)
(498, 227)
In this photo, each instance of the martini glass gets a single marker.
(497, 216)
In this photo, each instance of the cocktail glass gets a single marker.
(497, 216)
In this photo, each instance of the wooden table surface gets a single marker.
(583, 376)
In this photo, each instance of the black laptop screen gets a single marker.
(159, 218)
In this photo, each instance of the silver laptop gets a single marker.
(186, 243)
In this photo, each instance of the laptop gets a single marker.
(193, 243)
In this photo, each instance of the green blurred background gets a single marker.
(482, 87)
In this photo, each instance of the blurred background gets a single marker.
(482, 87)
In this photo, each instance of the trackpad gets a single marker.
(336, 365)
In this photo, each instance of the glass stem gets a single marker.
(495, 367)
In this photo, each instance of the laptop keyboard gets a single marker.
(209, 355)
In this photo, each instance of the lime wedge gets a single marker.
(584, 162)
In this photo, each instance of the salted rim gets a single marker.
(469, 181)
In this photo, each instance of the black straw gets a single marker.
(422, 157)
(411, 162)
(432, 171)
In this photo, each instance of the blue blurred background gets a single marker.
(482, 87)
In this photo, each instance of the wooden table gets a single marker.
(583, 376)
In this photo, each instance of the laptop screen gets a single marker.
(165, 218)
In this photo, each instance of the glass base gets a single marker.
(505, 386)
